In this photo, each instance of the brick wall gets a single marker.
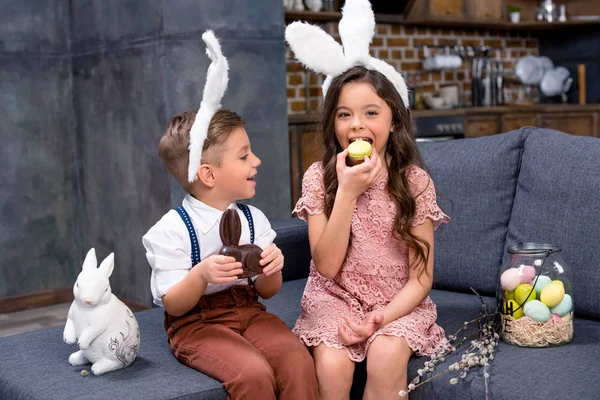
(398, 46)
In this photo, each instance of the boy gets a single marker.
(214, 321)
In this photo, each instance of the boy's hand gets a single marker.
(272, 259)
(352, 333)
(219, 269)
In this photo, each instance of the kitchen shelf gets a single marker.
(312, 118)
(312, 16)
(540, 25)
(328, 16)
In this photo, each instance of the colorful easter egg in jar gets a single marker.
(564, 307)
(512, 308)
(555, 319)
(510, 279)
(537, 311)
(524, 292)
(540, 282)
(527, 273)
(552, 294)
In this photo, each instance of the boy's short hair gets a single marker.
(174, 146)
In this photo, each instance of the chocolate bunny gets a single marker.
(230, 230)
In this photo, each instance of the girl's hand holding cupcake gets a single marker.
(356, 179)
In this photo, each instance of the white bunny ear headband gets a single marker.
(318, 51)
(214, 89)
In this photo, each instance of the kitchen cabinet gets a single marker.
(490, 10)
(304, 150)
(582, 124)
(483, 125)
(510, 122)
(455, 10)
(432, 10)
(447, 9)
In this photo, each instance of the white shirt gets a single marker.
(169, 249)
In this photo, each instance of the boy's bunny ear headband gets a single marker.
(318, 51)
(214, 89)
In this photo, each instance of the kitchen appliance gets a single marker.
(439, 129)
(550, 11)
(556, 82)
(487, 82)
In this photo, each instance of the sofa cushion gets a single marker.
(479, 176)
(291, 239)
(563, 372)
(35, 364)
(36, 367)
(558, 201)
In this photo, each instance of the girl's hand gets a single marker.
(352, 333)
(272, 259)
(356, 179)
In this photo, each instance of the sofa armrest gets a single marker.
(292, 239)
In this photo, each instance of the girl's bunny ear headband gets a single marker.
(214, 89)
(318, 51)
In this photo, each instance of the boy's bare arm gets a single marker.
(269, 282)
(268, 286)
(185, 294)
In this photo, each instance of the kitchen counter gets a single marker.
(481, 121)
(535, 108)
(474, 111)
(583, 120)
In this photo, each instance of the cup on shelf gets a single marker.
(436, 102)
(449, 94)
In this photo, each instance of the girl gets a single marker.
(370, 229)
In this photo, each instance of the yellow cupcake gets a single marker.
(358, 150)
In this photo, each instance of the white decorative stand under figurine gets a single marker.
(105, 329)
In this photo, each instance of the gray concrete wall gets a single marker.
(39, 241)
(87, 87)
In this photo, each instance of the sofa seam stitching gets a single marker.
(518, 174)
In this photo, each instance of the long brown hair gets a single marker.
(401, 153)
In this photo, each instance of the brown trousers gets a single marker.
(230, 337)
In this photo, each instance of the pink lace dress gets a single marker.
(376, 269)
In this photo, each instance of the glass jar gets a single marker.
(536, 296)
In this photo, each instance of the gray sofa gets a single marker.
(526, 185)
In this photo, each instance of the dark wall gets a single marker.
(87, 87)
(570, 48)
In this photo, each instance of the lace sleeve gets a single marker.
(423, 191)
(313, 193)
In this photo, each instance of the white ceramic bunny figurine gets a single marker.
(105, 329)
